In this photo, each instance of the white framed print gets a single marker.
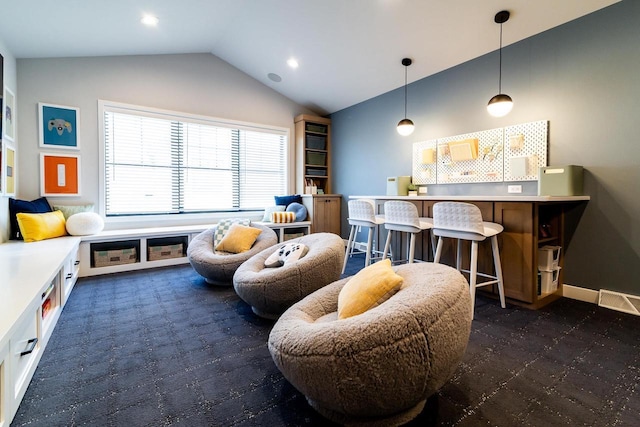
(9, 115)
(9, 169)
(59, 174)
(58, 126)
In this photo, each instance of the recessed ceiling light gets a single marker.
(149, 20)
(292, 63)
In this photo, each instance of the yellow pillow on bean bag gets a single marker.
(40, 226)
(369, 288)
(238, 239)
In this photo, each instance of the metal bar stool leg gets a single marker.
(412, 247)
(367, 260)
(438, 252)
(473, 274)
(432, 238)
(387, 245)
(498, 267)
(349, 246)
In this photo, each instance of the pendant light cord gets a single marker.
(500, 71)
(405, 91)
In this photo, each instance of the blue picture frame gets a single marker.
(58, 126)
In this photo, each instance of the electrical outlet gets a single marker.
(422, 190)
(514, 189)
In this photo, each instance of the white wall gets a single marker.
(10, 82)
(193, 83)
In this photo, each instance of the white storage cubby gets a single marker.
(31, 301)
(548, 281)
(155, 247)
(137, 249)
(549, 258)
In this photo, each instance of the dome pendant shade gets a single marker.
(405, 127)
(500, 105)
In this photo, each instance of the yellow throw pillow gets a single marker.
(369, 288)
(238, 239)
(40, 226)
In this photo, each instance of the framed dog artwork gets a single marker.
(58, 126)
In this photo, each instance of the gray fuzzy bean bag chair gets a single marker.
(270, 291)
(379, 367)
(218, 267)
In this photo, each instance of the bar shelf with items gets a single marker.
(50, 307)
(550, 241)
(548, 269)
(50, 303)
(549, 224)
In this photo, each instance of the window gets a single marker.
(158, 162)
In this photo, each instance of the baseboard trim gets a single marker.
(580, 294)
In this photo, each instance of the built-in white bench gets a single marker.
(35, 282)
(37, 278)
(146, 243)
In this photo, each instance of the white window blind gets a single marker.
(161, 163)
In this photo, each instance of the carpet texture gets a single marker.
(162, 348)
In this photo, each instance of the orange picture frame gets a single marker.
(59, 175)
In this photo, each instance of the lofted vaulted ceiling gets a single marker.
(348, 50)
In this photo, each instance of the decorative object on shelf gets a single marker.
(58, 126)
(9, 115)
(59, 175)
(561, 181)
(412, 189)
(310, 187)
(405, 126)
(501, 104)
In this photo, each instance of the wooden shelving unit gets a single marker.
(313, 153)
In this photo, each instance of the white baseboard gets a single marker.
(581, 294)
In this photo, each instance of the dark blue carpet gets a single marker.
(161, 348)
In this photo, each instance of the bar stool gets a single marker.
(403, 217)
(362, 214)
(463, 221)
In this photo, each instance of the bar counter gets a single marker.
(530, 223)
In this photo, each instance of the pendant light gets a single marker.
(501, 104)
(405, 126)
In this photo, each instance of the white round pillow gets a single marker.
(83, 223)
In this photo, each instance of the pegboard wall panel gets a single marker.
(424, 162)
(525, 150)
(513, 153)
(485, 164)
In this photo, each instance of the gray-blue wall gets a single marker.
(584, 77)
